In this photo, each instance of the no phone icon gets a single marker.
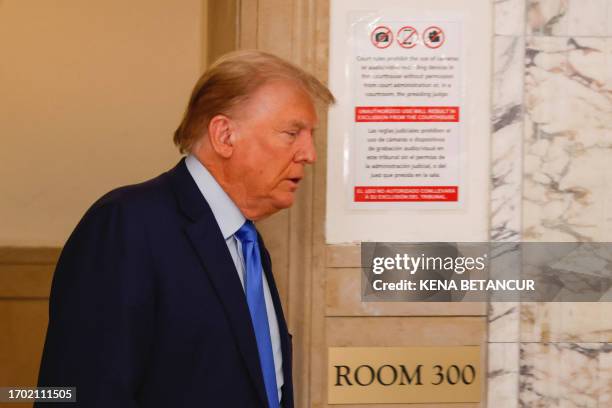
(407, 37)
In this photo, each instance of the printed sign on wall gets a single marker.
(406, 144)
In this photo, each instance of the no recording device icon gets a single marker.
(382, 37)
(433, 37)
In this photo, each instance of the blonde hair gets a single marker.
(232, 79)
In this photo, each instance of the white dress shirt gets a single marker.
(230, 219)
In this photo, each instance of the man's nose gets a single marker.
(306, 151)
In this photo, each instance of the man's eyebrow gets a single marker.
(298, 124)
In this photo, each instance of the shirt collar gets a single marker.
(228, 216)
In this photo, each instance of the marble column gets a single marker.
(506, 200)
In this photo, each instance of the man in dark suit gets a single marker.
(164, 294)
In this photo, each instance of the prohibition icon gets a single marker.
(433, 37)
(382, 37)
(407, 37)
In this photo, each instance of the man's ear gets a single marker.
(220, 130)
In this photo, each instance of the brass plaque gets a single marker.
(368, 375)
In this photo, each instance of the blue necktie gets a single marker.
(257, 307)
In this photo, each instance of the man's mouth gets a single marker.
(295, 181)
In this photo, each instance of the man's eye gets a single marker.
(292, 133)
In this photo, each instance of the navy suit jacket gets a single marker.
(147, 309)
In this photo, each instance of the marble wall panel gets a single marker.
(506, 146)
(565, 375)
(503, 375)
(568, 17)
(565, 350)
(588, 17)
(547, 17)
(566, 322)
(555, 67)
(567, 145)
(509, 17)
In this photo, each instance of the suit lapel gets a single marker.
(208, 243)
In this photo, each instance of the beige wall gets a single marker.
(91, 92)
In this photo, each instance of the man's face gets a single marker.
(273, 142)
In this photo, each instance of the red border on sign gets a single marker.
(415, 33)
(405, 193)
(390, 35)
(443, 37)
